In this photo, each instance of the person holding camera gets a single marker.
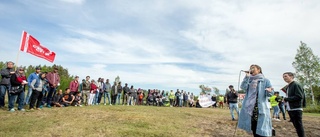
(232, 100)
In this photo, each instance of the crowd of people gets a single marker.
(254, 115)
(43, 91)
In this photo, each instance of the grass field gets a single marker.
(133, 121)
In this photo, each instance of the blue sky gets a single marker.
(163, 44)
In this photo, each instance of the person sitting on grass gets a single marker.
(77, 100)
(198, 104)
(67, 98)
(161, 99)
(57, 99)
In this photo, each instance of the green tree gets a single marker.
(205, 89)
(307, 68)
(216, 90)
(65, 77)
(241, 91)
(3, 65)
(316, 94)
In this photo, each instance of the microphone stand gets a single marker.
(239, 80)
(235, 130)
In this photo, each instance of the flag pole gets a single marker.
(17, 60)
(15, 68)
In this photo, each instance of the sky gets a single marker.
(164, 44)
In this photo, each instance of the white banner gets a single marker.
(205, 101)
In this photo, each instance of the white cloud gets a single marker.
(74, 1)
(168, 44)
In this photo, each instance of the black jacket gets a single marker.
(232, 97)
(5, 74)
(296, 96)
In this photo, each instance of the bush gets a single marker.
(312, 109)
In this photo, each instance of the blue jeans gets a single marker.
(106, 94)
(12, 99)
(283, 111)
(276, 111)
(3, 90)
(118, 98)
(233, 106)
(51, 93)
(96, 97)
(28, 95)
(180, 102)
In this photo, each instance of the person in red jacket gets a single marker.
(18, 82)
(93, 91)
(74, 86)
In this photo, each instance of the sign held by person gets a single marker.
(205, 100)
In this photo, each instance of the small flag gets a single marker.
(284, 89)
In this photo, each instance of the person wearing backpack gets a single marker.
(37, 86)
(18, 82)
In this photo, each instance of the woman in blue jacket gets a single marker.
(255, 112)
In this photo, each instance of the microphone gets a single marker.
(245, 71)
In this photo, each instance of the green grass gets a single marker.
(108, 121)
(124, 121)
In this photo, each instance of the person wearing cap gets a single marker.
(18, 82)
(37, 86)
(232, 100)
(31, 77)
(74, 86)
(5, 83)
(54, 81)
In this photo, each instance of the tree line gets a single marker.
(65, 77)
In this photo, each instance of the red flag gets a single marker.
(284, 89)
(31, 45)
